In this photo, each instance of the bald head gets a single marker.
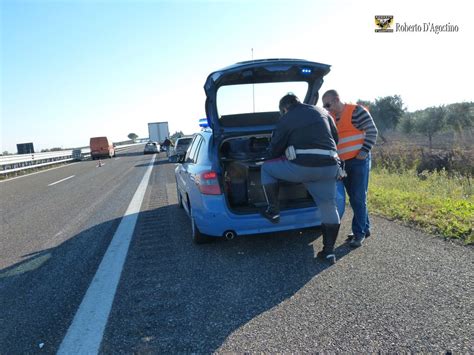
(331, 94)
(332, 103)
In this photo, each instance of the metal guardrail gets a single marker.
(14, 163)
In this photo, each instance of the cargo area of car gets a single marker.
(241, 159)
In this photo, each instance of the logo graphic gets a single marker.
(384, 23)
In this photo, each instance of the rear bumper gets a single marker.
(214, 218)
(100, 155)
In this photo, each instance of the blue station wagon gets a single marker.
(218, 183)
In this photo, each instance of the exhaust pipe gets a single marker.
(229, 235)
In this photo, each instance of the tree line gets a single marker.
(390, 114)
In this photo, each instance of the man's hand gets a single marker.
(362, 155)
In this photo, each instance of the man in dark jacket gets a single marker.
(304, 143)
(167, 144)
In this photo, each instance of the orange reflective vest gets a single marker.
(350, 138)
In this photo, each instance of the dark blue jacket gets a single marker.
(305, 127)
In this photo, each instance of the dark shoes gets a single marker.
(272, 214)
(356, 242)
(330, 232)
(328, 257)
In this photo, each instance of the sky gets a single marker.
(74, 69)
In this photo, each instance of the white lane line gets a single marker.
(36, 172)
(57, 182)
(86, 331)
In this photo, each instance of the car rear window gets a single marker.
(255, 98)
(182, 142)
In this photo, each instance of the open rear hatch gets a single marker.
(242, 123)
(243, 118)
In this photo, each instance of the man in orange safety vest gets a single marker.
(357, 135)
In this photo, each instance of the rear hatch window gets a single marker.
(243, 98)
(257, 104)
(184, 142)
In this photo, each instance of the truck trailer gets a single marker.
(158, 131)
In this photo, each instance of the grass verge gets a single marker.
(435, 202)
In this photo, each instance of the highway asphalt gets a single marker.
(403, 291)
(53, 238)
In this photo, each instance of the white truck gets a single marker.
(158, 131)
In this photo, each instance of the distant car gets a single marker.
(218, 183)
(151, 148)
(178, 153)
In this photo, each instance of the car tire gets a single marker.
(197, 236)
(180, 198)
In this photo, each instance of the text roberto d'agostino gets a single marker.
(426, 27)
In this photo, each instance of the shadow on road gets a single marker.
(176, 296)
(40, 295)
(140, 153)
(157, 162)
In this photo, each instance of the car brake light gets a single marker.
(208, 183)
(209, 175)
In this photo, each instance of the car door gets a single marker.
(187, 170)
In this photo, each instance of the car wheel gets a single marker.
(180, 198)
(197, 236)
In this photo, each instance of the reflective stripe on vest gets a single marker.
(349, 149)
(350, 138)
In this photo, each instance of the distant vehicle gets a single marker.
(101, 148)
(158, 131)
(151, 148)
(180, 147)
(80, 153)
(218, 183)
(77, 154)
